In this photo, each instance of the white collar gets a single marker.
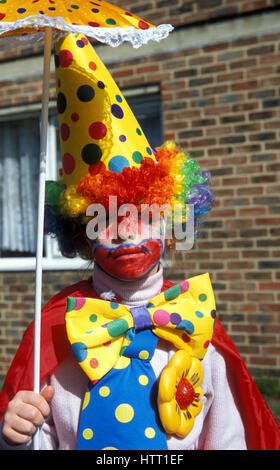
(131, 293)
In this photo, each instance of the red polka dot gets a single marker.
(65, 58)
(161, 317)
(60, 172)
(85, 41)
(185, 338)
(93, 363)
(2, 15)
(206, 344)
(92, 65)
(68, 163)
(64, 131)
(93, 24)
(75, 117)
(97, 130)
(108, 343)
(143, 25)
(128, 14)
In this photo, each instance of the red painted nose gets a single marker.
(127, 227)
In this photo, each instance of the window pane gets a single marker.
(147, 111)
(19, 169)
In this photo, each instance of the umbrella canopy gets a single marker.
(100, 20)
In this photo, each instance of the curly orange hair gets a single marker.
(151, 183)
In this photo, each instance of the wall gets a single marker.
(186, 12)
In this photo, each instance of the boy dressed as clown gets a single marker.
(129, 360)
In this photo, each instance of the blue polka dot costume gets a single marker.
(121, 409)
(114, 345)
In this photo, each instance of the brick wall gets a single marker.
(177, 12)
(221, 103)
(182, 12)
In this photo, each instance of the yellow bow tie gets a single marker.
(99, 331)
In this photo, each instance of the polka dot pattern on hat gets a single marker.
(96, 122)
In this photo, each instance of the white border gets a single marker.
(113, 36)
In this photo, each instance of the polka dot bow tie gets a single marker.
(114, 345)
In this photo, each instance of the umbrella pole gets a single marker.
(40, 222)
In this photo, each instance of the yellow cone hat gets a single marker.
(105, 153)
(95, 122)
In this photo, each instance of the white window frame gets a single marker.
(52, 260)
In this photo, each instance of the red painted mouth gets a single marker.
(130, 250)
(129, 262)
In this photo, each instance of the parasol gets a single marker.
(37, 19)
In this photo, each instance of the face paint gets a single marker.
(132, 255)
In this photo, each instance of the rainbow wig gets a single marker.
(174, 179)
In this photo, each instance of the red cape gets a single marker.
(262, 430)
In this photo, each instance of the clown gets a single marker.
(129, 361)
